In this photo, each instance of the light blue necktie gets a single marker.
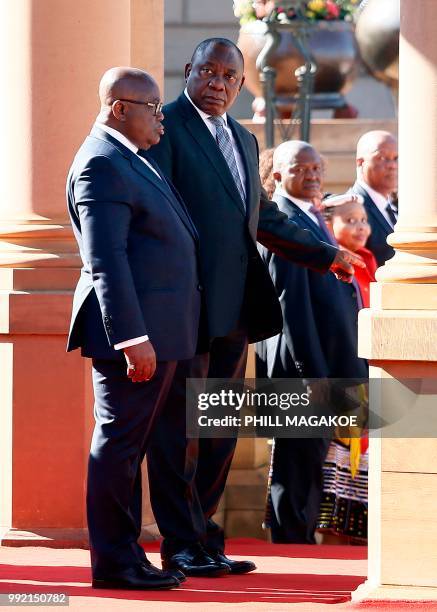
(225, 145)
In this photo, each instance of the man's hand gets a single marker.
(141, 361)
(342, 266)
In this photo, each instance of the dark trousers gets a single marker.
(125, 413)
(296, 488)
(187, 477)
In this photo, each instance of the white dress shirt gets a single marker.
(130, 145)
(304, 205)
(379, 200)
(211, 127)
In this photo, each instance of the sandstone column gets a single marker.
(399, 337)
(53, 54)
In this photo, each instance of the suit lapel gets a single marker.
(292, 210)
(372, 209)
(251, 169)
(309, 223)
(205, 140)
(176, 201)
(148, 174)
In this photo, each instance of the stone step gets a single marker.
(245, 524)
(340, 171)
(328, 135)
(251, 453)
(245, 498)
(246, 489)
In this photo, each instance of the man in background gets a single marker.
(377, 179)
(318, 341)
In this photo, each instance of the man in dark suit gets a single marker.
(318, 341)
(213, 162)
(377, 176)
(135, 312)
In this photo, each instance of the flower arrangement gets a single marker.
(311, 10)
(245, 11)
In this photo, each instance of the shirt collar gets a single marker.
(202, 114)
(304, 205)
(118, 136)
(379, 200)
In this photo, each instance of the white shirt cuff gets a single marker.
(132, 342)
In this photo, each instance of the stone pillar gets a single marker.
(53, 54)
(399, 336)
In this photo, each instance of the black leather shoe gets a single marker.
(138, 578)
(180, 576)
(235, 567)
(194, 561)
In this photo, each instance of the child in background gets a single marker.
(346, 218)
(343, 511)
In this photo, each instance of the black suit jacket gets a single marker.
(232, 272)
(320, 333)
(377, 241)
(139, 250)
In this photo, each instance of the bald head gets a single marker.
(298, 167)
(130, 104)
(372, 141)
(122, 82)
(377, 161)
(287, 152)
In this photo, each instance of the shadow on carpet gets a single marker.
(261, 587)
(255, 587)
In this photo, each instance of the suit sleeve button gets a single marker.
(200, 287)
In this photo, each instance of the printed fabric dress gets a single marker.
(343, 510)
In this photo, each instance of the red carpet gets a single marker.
(250, 547)
(273, 582)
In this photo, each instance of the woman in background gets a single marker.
(265, 171)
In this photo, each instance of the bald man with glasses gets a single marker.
(135, 312)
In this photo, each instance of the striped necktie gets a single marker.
(323, 227)
(391, 214)
(225, 145)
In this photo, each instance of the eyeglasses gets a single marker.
(157, 106)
